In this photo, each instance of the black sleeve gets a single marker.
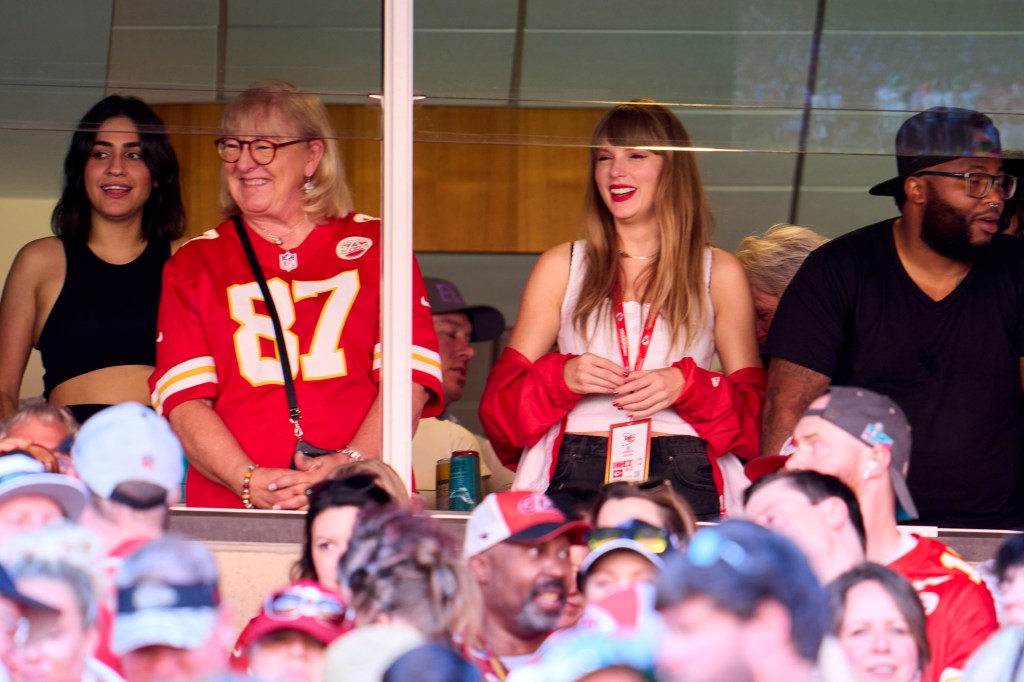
(812, 322)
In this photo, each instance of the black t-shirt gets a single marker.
(853, 314)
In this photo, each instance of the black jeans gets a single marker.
(680, 459)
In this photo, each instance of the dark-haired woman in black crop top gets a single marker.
(88, 298)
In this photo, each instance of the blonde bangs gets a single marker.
(675, 284)
(254, 113)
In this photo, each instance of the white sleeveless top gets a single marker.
(594, 413)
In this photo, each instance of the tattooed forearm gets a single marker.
(791, 388)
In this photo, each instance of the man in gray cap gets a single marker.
(927, 308)
(863, 439)
(458, 325)
(171, 624)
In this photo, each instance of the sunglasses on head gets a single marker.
(366, 484)
(651, 538)
(305, 601)
(44, 456)
(710, 546)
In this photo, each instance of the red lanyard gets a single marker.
(620, 332)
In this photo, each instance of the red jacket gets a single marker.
(525, 401)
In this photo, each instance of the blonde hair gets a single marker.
(387, 478)
(306, 117)
(674, 284)
(42, 411)
(772, 259)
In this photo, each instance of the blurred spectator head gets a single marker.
(1010, 571)
(128, 456)
(170, 622)
(636, 554)
(31, 497)
(458, 326)
(403, 567)
(431, 663)
(616, 673)
(334, 505)
(818, 512)
(45, 425)
(16, 610)
(653, 502)
(55, 565)
(517, 546)
(880, 623)
(286, 641)
(741, 602)
(771, 260)
(387, 477)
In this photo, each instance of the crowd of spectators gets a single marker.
(265, 389)
(817, 583)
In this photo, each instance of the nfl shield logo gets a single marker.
(288, 261)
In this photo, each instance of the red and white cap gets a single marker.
(521, 516)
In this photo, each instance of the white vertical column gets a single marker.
(396, 368)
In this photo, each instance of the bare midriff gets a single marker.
(106, 386)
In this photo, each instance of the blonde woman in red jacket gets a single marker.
(637, 310)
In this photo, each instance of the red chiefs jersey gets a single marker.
(961, 613)
(215, 340)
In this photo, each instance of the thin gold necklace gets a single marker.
(279, 239)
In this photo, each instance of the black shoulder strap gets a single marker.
(282, 352)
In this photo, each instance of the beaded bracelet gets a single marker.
(353, 455)
(247, 487)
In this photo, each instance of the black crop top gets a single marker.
(105, 315)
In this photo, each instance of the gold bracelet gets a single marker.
(247, 487)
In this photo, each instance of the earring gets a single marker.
(309, 186)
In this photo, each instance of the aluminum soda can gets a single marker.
(465, 491)
(442, 488)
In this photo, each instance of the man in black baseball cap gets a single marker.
(458, 325)
(927, 308)
(16, 612)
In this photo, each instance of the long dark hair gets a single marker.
(163, 218)
(358, 490)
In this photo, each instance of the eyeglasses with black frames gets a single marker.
(978, 185)
(262, 151)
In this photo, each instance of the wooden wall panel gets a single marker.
(486, 179)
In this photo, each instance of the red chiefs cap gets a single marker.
(522, 516)
(304, 606)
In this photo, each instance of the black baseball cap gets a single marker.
(7, 589)
(936, 136)
(488, 323)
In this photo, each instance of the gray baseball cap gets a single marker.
(873, 419)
